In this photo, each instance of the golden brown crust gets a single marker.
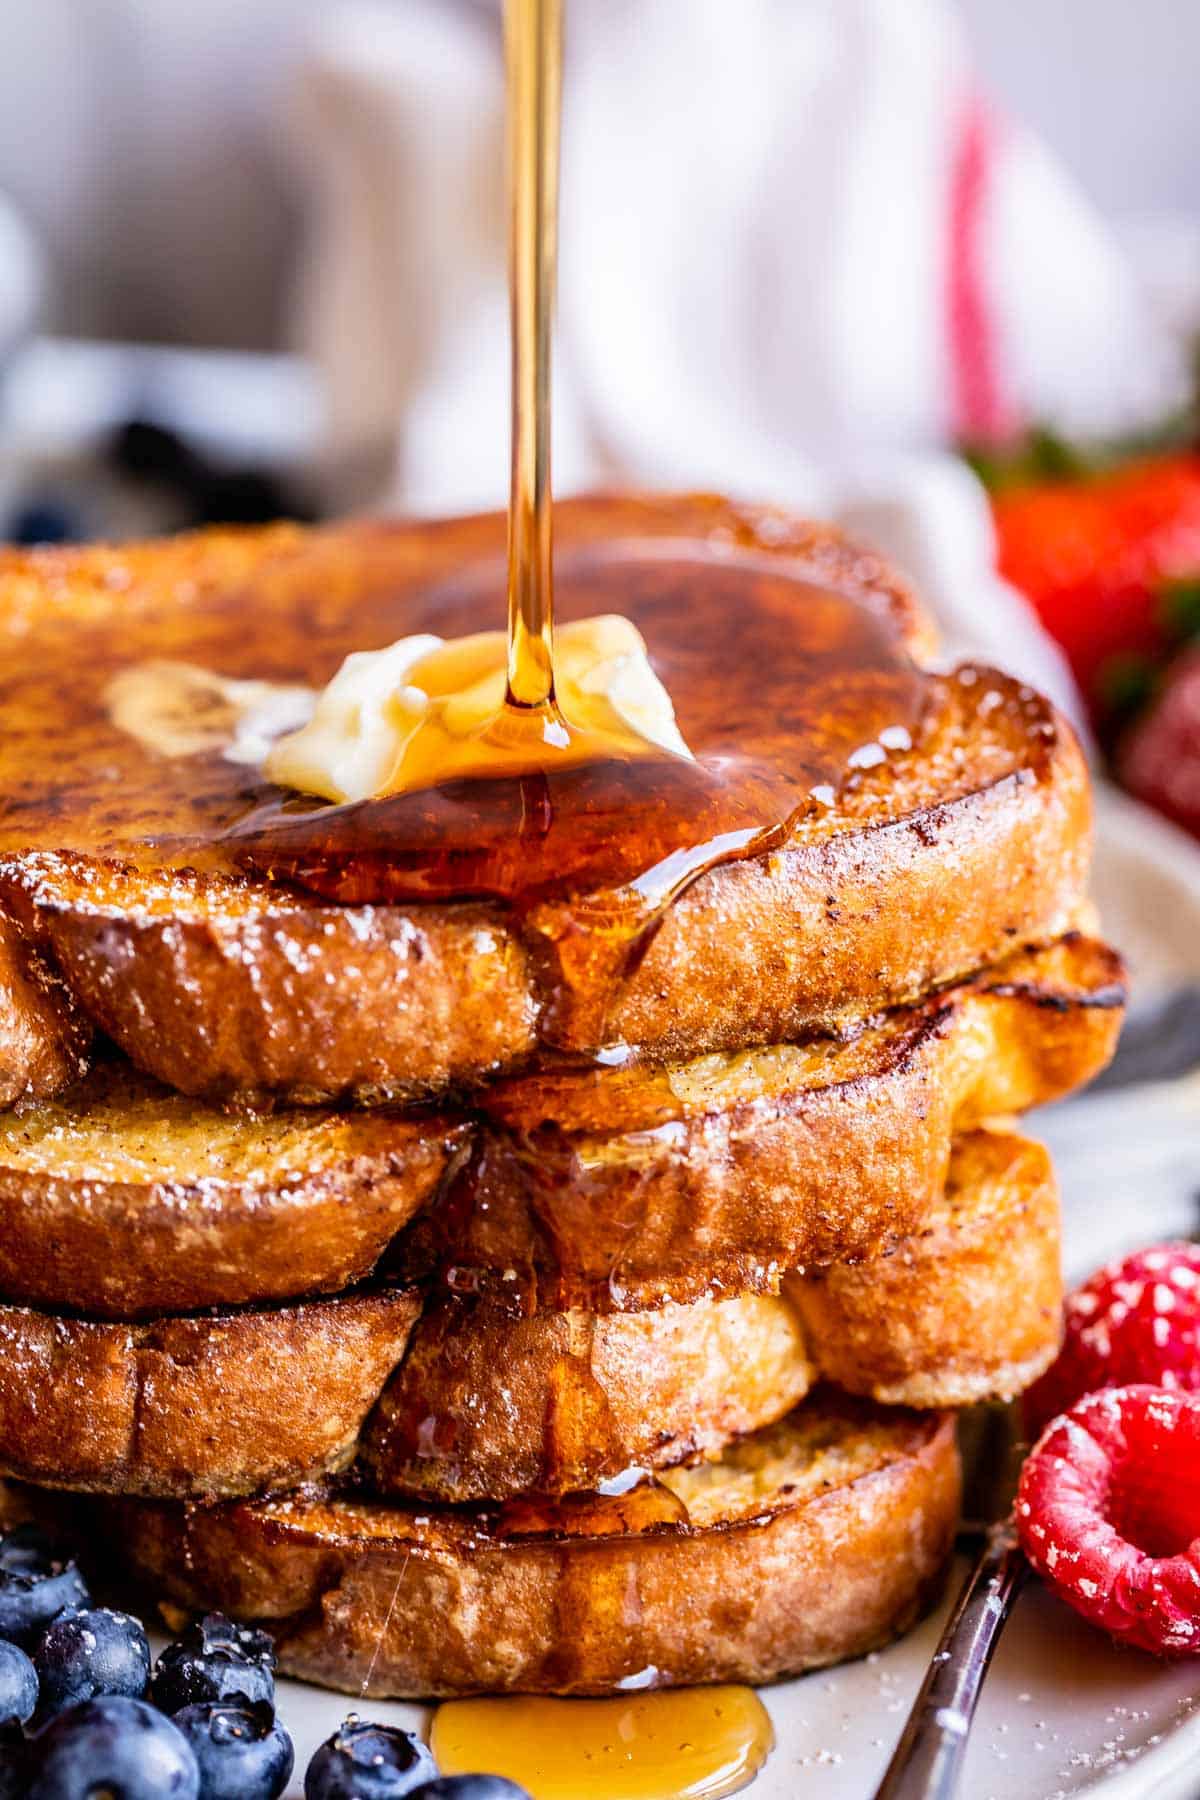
(756, 951)
(221, 1405)
(829, 1550)
(220, 984)
(478, 1403)
(969, 1308)
(765, 950)
(122, 1200)
(241, 991)
(715, 1176)
(486, 1405)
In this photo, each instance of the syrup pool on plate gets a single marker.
(682, 1744)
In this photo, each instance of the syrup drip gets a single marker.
(531, 725)
(688, 1744)
(624, 1506)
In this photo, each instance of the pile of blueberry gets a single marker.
(82, 1712)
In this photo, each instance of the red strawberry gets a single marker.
(1134, 1321)
(1108, 1513)
(1160, 760)
(1095, 555)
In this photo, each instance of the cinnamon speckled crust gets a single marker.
(475, 1403)
(814, 1541)
(218, 983)
(221, 1405)
(44, 1039)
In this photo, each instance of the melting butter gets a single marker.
(427, 709)
(179, 709)
(423, 710)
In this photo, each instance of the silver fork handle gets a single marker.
(928, 1759)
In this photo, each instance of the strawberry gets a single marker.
(1110, 561)
(1108, 1513)
(1134, 1321)
(1160, 758)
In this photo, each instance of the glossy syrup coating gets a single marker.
(289, 606)
(778, 685)
(208, 925)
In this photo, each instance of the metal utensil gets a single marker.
(928, 1759)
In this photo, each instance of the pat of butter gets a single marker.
(178, 709)
(427, 709)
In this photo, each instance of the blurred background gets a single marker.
(931, 267)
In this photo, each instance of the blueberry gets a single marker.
(214, 1660)
(362, 1761)
(471, 1787)
(94, 1651)
(18, 1685)
(37, 1582)
(242, 1751)
(113, 1746)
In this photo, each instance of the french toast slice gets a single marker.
(616, 1188)
(118, 864)
(123, 1200)
(216, 1404)
(815, 1540)
(474, 1403)
(967, 1309)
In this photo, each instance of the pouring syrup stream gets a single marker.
(533, 55)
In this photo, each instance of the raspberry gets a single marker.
(1134, 1321)
(1108, 1513)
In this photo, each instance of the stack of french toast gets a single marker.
(477, 1314)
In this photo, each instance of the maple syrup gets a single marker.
(532, 725)
(614, 1509)
(781, 722)
(685, 1744)
(533, 56)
